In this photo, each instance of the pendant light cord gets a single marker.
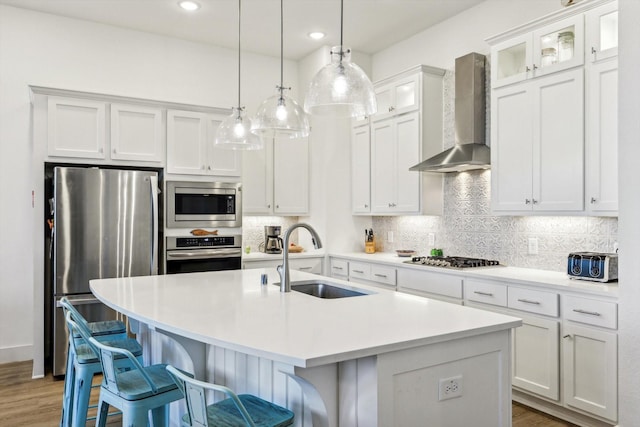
(281, 47)
(239, 22)
(341, 24)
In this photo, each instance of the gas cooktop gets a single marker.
(453, 262)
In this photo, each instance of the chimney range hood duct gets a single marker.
(470, 151)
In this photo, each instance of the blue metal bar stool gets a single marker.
(135, 392)
(85, 364)
(107, 329)
(235, 411)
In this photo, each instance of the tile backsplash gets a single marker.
(253, 229)
(467, 228)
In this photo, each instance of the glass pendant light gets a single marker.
(280, 115)
(341, 88)
(235, 131)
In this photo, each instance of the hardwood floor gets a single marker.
(36, 403)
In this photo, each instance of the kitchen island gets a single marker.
(379, 359)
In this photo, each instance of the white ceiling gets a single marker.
(369, 25)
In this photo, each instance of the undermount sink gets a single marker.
(324, 290)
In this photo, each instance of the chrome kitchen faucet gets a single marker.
(283, 270)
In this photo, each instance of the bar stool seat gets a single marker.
(235, 411)
(134, 392)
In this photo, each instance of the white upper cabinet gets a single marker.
(406, 130)
(76, 128)
(276, 178)
(538, 145)
(397, 97)
(190, 145)
(554, 47)
(602, 32)
(95, 129)
(554, 123)
(602, 138)
(136, 133)
(394, 150)
(360, 169)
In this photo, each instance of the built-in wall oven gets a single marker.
(207, 253)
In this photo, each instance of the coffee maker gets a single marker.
(272, 239)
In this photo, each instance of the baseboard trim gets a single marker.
(16, 354)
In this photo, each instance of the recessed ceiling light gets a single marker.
(317, 35)
(189, 5)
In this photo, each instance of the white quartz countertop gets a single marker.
(511, 275)
(232, 310)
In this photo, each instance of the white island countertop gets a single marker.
(231, 309)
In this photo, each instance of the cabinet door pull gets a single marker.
(567, 336)
(535, 67)
(306, 268)
(527, 201)
(527, 69)
(535, 202)
(486, 294)
(380, 275)
(593, 50)
(269, 206)
(593, 200)
(358, 271)
(337, 268)
(528, 301)
(590, 313)
(366, 206)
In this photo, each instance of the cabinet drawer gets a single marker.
(533, 301)
(590, 311)
(308, 265)
(448, 285)
(359, 270)
(485, 292)
(381, 274)
(339, 267)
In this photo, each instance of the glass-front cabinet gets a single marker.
(553, 48)
(602, 32)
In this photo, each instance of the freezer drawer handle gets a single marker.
(79, 301)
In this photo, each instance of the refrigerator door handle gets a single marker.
(153, 186)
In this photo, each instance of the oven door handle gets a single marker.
(204, 254)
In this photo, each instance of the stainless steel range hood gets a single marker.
(470, 151)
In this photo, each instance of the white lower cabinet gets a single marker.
(536, 362)
(590, 356)
(372, 274)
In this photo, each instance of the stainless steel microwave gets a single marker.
(203, 204)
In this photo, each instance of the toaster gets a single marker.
(596, 266)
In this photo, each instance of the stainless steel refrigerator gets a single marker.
(105, 224)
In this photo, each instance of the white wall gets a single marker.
(47, 50)
(629, 226)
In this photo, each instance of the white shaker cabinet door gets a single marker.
(136, 133)
(383, 179)
(536, 356)
(76, 128)
(602, 138)
(407, 136)
(360, 170)
(511, 148)
(590, 366)
(257, 180)
(558, 155)
(186, 142)
(291, 176)
(221, 162)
